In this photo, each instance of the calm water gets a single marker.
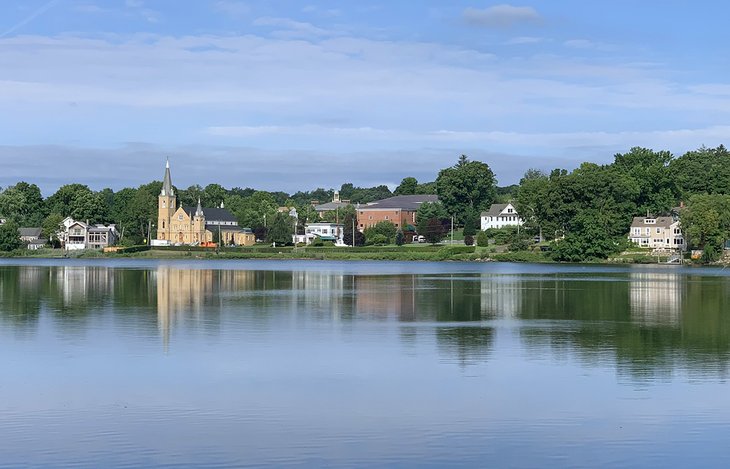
(219, 364)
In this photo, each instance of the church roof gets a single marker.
(167, 182)
(212, 214)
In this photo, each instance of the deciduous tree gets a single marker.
(466, 186)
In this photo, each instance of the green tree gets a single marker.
(531, 201)
(400, 238)
(386, 229)
(257, 210)
(51, 226)
(281, 229)
(434, 231)
(468, 186)
(427, 211)
(706, 223)
(471, 222)
(706, 170)
(350, 230)
(650, 171)
(588, 239)
(9, 236)
(214, 195)
(23, 203)
(89, 206)
(375, 239)
(408, 186)
(482, 239)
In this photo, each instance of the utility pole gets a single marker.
(149, 232)
(452, 229)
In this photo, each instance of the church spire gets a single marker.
(199, 210)
(167, 182)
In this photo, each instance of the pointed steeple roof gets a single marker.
(199, 210)
(167, 182)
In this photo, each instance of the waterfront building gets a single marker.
(195, 225)
(500, 216)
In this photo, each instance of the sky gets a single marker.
(294, 95)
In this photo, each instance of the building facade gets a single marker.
(325, 231)
(657, 233)
(194, 226)
(76, 235)
(399, 210)
(500, 216)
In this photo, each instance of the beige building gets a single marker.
(657, 233)
(187, 225)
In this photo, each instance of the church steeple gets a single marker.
(199, 210)
(167, 189)
(166, 207)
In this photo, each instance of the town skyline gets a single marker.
(288, 97)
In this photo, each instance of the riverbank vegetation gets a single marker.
(580, 216)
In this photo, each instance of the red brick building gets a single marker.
(399, 210)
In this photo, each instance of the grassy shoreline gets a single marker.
(438, 253)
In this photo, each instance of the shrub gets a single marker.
(469, 240)
(376, 239)
(482, 239)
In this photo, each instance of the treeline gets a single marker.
(132, 209)
(585, 213)
(589, 211)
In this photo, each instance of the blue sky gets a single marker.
(287, 95)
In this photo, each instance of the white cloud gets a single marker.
(587, 44)
(235, 9)
(330, 94)
(524, 40)
(500, 16)
(291, 28)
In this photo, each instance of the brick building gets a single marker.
(399, 210)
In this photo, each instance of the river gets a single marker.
(146, 363)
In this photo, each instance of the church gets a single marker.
(194, 226)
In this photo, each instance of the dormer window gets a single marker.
(650, 221)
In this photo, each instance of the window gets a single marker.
(180, 217)
(658, 230)
(163, 224)
(509, 210)
(387, 217)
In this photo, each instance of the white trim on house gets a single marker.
(500, 216)
(657, 233)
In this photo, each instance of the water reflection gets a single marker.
(656, 298)
(644, 323)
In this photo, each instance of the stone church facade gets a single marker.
(193, 226)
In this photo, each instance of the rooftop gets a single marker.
(496, 209)
(402, 202)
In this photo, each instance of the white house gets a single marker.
(325, 231)
(499, 216)
(657, 233)
(75, 235)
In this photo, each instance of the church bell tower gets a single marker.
(166, 206)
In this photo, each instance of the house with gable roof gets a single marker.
(500, 216)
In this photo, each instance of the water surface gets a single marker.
(127, 363)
